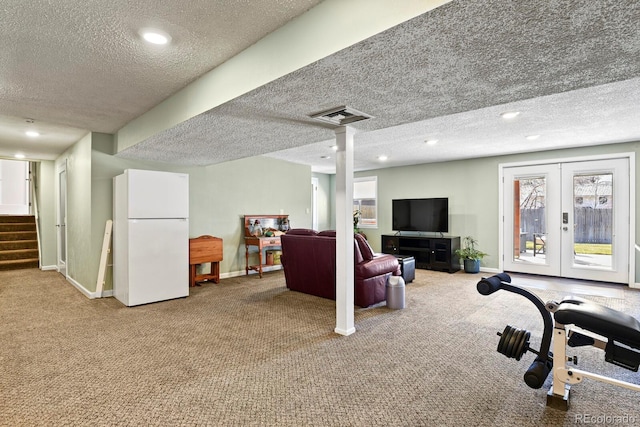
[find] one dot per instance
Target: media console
(432, 253)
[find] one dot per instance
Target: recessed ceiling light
(32, 133)
(431, 141)
(19, 156)
(510, 114)
(155, 36)
(334, 147)
(382, 158)
(325, 157)
(532, 137)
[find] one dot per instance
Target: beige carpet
(249, 352)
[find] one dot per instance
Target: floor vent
(340, 116)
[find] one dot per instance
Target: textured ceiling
(82, 64)
(571, 67)
(578, 118)
(442, 75)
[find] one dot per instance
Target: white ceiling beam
(325, 29)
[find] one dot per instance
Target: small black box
(408, 267)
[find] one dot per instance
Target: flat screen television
(428, 215)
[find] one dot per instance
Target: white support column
(344, 232)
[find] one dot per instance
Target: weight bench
(617, 333)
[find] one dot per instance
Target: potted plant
(356, 220)
(470, 255)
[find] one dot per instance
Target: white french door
(568, 219)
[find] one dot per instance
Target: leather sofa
(309, 262)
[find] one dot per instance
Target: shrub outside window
(365, 200)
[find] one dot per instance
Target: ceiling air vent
(340, 116)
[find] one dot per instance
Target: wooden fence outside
(591, 225)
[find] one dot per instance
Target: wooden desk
(202, 250)
(279, 223)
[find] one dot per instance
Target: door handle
(565, 228)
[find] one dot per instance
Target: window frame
(357, 203)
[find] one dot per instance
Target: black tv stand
(432, 253)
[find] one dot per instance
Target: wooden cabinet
(203, 250)
(433, 253)
(272, 227)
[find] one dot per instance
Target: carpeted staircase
(18, 242)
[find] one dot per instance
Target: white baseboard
(88, 293)
(345, 332)
(242, 272)
(79, 287)
(490, 270)
(49, 268)
(486, 270)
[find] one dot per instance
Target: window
(365, 200)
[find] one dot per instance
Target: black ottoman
(408, 267)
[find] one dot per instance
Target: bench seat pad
(599, 319)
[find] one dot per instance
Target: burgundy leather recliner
(309, 261)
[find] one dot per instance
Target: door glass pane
(529, 220)
(593, 220)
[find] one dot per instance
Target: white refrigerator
(150, 236)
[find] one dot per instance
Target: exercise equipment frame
(515, 342)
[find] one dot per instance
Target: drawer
(270, 241)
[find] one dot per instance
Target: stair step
(17, 218)
(17, 235)
(18, 242)
(18, 254)
(17, 226)
(10, 245)
(18, 264)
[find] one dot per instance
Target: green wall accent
(45, 179)
(324, 199)
(222, 194)
(219, 196)
(79, 260)
(472, 188)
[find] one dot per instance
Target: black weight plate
(504, 340)
(525, 344)
(519, 345)
(503, 337)
(512, 342)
